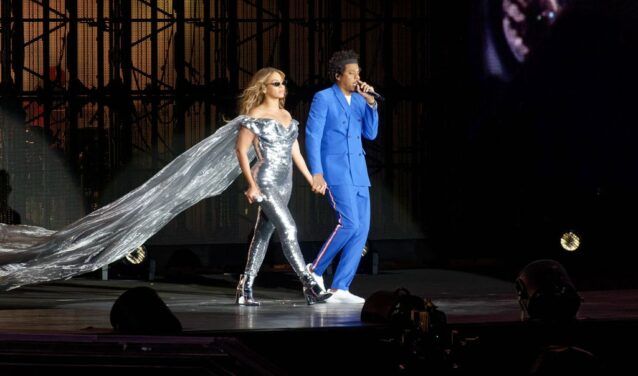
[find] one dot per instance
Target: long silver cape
(30, 254)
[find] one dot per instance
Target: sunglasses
(277, 83)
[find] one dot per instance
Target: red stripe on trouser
(325, 246)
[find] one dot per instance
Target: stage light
(394, 307)
(137, 256)
(570, 241)
(137, 264)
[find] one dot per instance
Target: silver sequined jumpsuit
(273, 174)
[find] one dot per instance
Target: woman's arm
(244, 142)
(300, 162)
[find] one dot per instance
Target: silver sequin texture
(273, 174)
(30, 254)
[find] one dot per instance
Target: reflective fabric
(273, 174)
(31, 254)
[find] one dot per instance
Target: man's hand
(363, 89)
(319, 185)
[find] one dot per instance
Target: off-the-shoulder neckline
(292, 121)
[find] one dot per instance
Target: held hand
(319, 185)
(253, 194)
(363, 89)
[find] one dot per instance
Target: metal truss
(122, 86)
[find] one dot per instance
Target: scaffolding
(115, 89)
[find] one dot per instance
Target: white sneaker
(317, 278)
(344, 297)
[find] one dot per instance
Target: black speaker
(391, 307)
(140, 310)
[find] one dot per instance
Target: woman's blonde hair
(253, 95)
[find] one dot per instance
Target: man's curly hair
(338, 61)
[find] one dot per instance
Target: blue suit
(333, 148)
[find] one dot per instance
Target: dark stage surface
(83, 305)
(66, 325)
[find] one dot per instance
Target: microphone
(376, 96)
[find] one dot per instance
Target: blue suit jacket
(333, 136)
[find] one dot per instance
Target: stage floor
(66, 326)
(83, 305)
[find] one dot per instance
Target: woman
(31, 254)
(273, 132)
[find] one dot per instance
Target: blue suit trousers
(352, 207)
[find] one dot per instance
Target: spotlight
(570, 241)
(137, 256)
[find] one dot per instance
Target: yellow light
(137, 256)
(570, 241)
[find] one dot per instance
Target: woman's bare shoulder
(256, 112)
(286, 115)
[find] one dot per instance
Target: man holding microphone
(340, 116)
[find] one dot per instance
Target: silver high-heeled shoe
(244, 294)
(312, 291)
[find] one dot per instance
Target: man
(339, 117)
